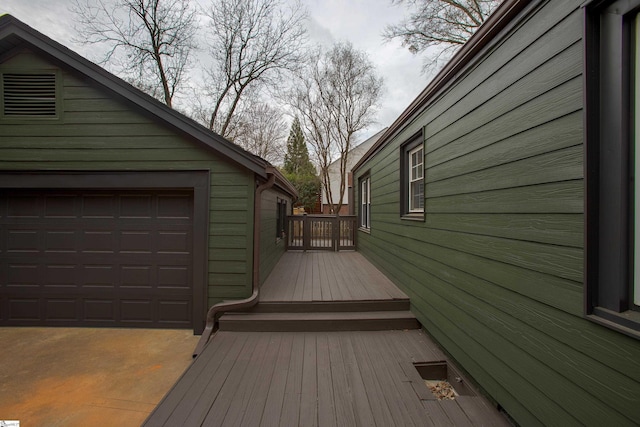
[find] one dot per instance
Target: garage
(116, 210)
(96, 256)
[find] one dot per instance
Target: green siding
(271, 248)
(99, 131)
(495, 271)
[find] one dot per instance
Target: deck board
(455, 413)
(290, 413)
(314, 379)
(296, 293)
(195, 407)
(343, 398)
(344, 281)
(226, 394)
(327, 276)
(361, 404)
(326, 402)
(253, 410)
(275, 398)
(250, 382)
(198, 378)
(309, 393)
(395, 395)
(374, 390)
(437, 414)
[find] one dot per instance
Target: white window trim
(412, 180)
(365, 202)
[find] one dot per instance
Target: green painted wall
(495, 272)
(271, 248)
(98, 131)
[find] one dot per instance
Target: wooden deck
(327, 277)
(325, 291)
(307, 355)
(316, 379)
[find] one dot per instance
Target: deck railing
(321, 232)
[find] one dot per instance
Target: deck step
(318, 321)
(331, 306)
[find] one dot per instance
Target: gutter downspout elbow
(215, 311)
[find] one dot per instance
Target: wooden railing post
(306, 233)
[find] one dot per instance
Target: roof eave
(498, 20)
(282, 183)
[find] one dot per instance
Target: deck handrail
(321, 232)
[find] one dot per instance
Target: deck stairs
(375, 315)
(324, 292)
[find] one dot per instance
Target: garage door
(96, 258)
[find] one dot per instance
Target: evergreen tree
(308, 187)
(296, 160)
(299, 170)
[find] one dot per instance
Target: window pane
(365, 192)
(366, 217)
(416, 196)
(416, 165)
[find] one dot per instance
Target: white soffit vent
(31, 95)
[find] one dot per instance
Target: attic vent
(31, 95)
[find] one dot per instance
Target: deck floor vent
(443, 380)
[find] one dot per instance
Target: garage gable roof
(14, 33)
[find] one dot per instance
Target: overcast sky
(359, 21)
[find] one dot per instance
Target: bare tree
(315, 116)
(252, 42)
(444, 24)
(149, 40)
(337, 98)
(261, 129)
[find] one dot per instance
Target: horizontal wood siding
(495, 271)
(271, 248)
(99, 131)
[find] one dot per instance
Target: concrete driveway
(88, 377)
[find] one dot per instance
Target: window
(31, 95)
(612, 152)
(412, 178)
(365, 202)
(281, 220)
(416, 183)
